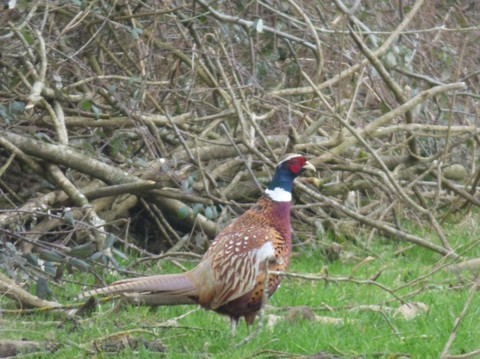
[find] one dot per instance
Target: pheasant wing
(238, 259)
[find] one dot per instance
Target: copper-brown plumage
(231, 277)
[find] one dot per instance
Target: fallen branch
(10, 289)
(472, 265)
(66, 156)
(10, 348)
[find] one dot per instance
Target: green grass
(363, 331)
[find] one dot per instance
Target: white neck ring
(278, 194)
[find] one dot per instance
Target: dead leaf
(411, 310)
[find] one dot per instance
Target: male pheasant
(231, 277)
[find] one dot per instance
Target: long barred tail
(168, 289)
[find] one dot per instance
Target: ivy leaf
(109, 240)
(120, 254)
(211, 212)
(68, 217)
(133, 80)
(17, 107)
(390, 60)
(136, 32)
(86, 105)
(42, 290)
(97, 257)
(50, 256)
(113, 261)
(96, 112)
(83, 250)
(31, 258)
(384, 107)
(183, 212)
(4, 114)
(197, 208)
(79, 264)
(49, 268)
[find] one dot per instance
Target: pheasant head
(280, 188)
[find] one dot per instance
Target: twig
(389, 180)
(81, 201)
(249, 169)
(116, 190)
(389, 81)
(9, 288)
(35, 95)
(458, 320)
(155, 215)
(326, 278)
(346, 73)
(318, 50)
(249, 133)
(472, 354)
(250, 24)
(382, 226)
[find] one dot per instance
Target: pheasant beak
(309, 166)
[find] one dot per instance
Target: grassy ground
(367, 325)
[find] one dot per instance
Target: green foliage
(211, 212)
(12, 111)
(90, 106)
(183, 212)
(27, 36)
(135, 33)
(262, 69)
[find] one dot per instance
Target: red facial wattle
(296, 164)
